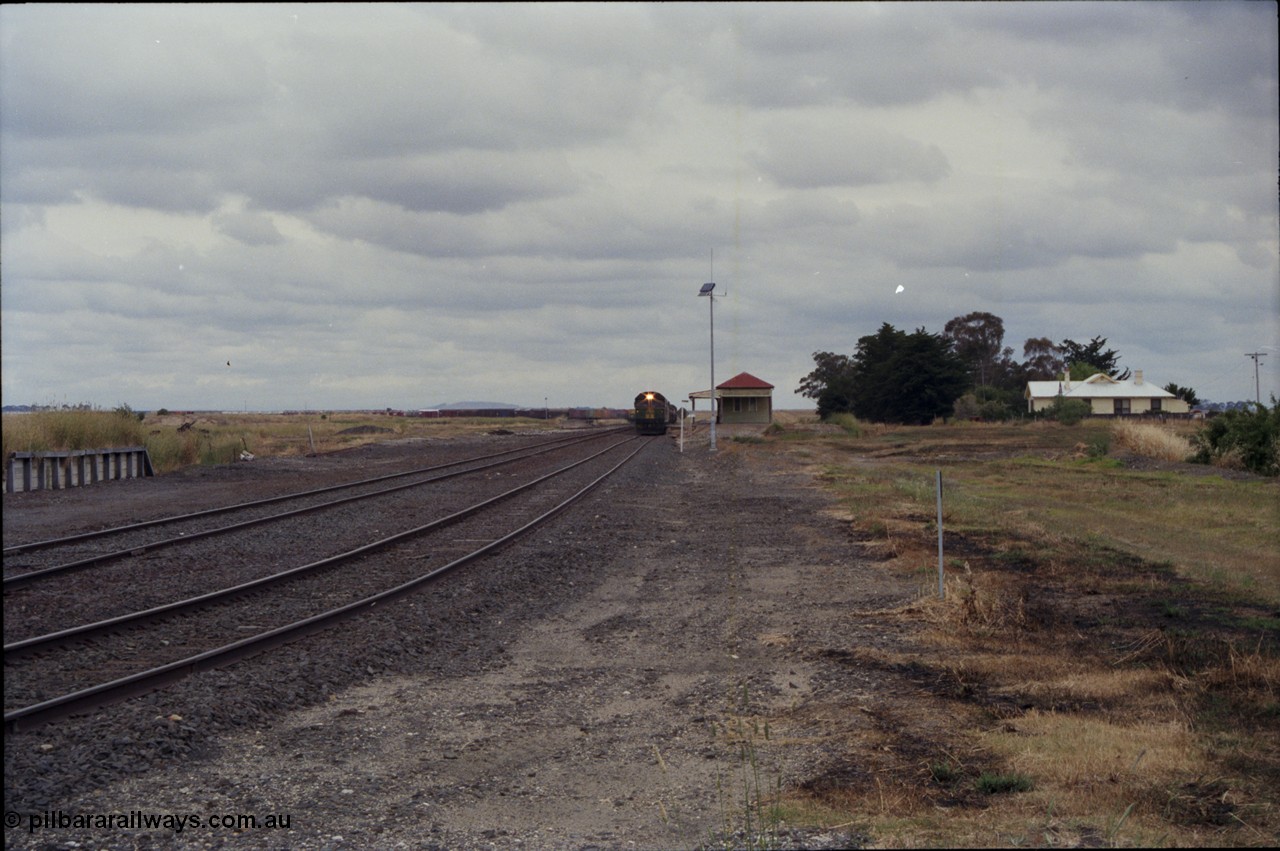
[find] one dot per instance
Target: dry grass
(59, 430)
(1152, 441)
(180, 440)
(1108, 638)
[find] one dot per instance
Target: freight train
(653, 413)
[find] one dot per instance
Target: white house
(1107, 396)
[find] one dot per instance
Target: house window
(1122, 407)
(1155, 406)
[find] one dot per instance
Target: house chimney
(1137, 376)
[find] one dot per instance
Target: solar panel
(707, 288)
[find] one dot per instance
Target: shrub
(945, 772)
(998, 784)
(998, 405)
(967, 407)
(846, 421)
(995, 411)
(1250, 439)
(172, 450)
(1068, 411)
(129, 413)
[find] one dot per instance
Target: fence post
(942, 592)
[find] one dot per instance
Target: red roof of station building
(744, 381)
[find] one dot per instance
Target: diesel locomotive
(653, 413)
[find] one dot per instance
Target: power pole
(1257, 392)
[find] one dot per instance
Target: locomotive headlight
(648, 397)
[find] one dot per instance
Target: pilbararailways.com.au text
(141, 820)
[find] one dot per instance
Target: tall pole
(714, 412)
(1257, 388)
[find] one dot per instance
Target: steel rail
(84, 536)
(21, 580)
(145, 682)
(20, 648)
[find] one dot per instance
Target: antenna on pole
(708, 290)
(1257, 391)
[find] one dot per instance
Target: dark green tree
(1092, 353)
(830, 384)
(1184, 393)
(906, 378)
(978, 339)
(1043, 359)
(1080, 370)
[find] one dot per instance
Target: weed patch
(993, 783)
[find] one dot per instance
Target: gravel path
(611, 698)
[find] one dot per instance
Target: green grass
(992, 783)
(945, 773)
(848, 422)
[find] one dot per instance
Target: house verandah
(1106, 396)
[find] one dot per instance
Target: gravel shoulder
(611, 700)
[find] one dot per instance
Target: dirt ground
(625, 707)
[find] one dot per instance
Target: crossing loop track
(88, 698)
(19, 580)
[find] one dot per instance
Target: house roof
(1097, 386)
(744, 381)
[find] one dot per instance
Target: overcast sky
(360, 206)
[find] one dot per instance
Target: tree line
(965, 370)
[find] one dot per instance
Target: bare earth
(619, 705)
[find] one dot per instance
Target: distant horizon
(12, 409)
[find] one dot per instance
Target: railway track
(136, 539)
(76, 669)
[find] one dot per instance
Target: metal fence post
(942, 592)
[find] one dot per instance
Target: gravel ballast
(586, 687)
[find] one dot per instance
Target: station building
(742, 399)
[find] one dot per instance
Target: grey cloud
(92, 70)
(813, 53)
(337, 110)
(1027, 231)
(399, 204)
(248, 228)
(425, 86)
(800, 211)
(460, 181)
(807, 153)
